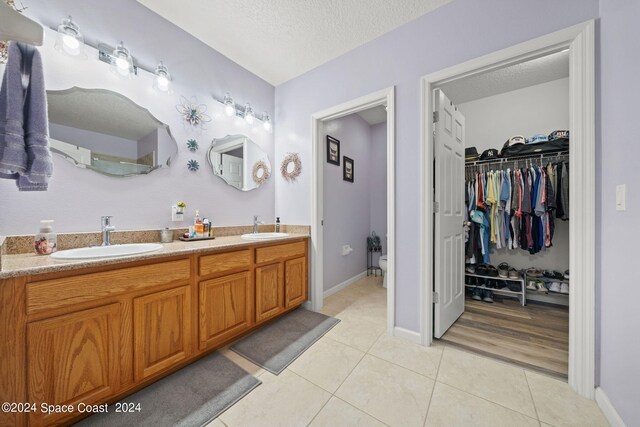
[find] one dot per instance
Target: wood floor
(535, 336)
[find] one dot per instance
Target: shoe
(531, 285)
(514, 274)
(503, 285)
(564, 288)
(487, 296)
(470, 268)
(492, 271)
(540, 287)
(554, 287)
(476, 294)
(548, 274)
(557, 275)
(514, 287)
(534, 272)
(481, 269)
(566, 275)
(503, 270)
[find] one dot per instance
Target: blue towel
(13, 156)
(24, 153)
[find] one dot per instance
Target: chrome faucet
(107, 228)
(256, 223)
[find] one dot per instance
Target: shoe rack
(522, 295)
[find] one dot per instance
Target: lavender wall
(456, 32)
(346, 204)
(619, 233)
(378, 185)
(78, 197)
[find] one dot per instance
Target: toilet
(383, 267)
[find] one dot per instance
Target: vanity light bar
(241, 111)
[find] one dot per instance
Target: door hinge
(436, 207)
(436, 116)
(322, 222)
(435, 297)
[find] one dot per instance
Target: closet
(513, 126)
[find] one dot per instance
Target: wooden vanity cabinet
(73, 358)
(97, 334)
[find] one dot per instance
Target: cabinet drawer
(219, 263)
(273, 253)
(66, 291)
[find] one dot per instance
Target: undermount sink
(110, 251)
(264, 236)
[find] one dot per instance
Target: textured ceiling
(536, 71)
(281, 39)
(101, 112)
(374, 116)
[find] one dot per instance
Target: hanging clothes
(514, 208)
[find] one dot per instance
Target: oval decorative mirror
(104, 131)
(239, 162)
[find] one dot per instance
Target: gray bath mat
(193, 396)
(279, 343)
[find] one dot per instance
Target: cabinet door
(269, 291)
(162, 330)
(225, 308)
(73, 358)
(295, 283)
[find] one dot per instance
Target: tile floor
(356, 375)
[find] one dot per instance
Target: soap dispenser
(277, 224)
(46, 241)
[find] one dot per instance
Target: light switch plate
(621, 197)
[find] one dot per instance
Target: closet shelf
(558, 155)
(522, 295)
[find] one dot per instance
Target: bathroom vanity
(93, 332)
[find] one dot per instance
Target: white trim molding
(341, 286)
(608, 410)
(580, 41)
(408, 335)
(383, 97)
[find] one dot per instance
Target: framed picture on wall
(347, 169)
(333, 151)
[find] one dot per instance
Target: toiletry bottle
(46, 241)
(197, 224)
(277, 224)
(205, 227)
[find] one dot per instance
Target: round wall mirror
(239, 162)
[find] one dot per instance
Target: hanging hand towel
(13, 156)
(36, 131)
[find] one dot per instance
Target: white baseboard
(608, 410)
(407, 335)
(341, 286)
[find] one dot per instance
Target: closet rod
(551, 156)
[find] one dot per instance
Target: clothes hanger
(17, 27)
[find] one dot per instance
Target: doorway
(579, 40)
(384, 99)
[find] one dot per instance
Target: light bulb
(69, 39)
(163, 83)
(229, 105)
(122, 64)
(248, 113)
(70, 42)
(266, 121)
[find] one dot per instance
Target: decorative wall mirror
(104, 131)
(239, 161)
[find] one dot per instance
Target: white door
(232, 170)
(449, 217)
